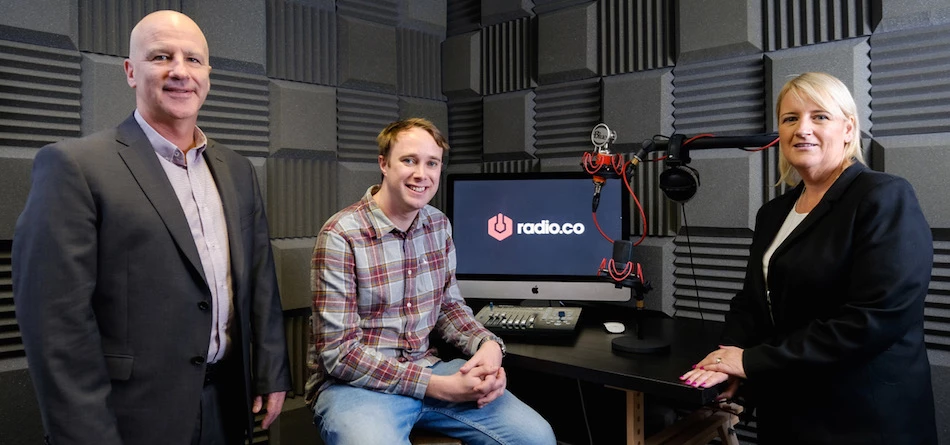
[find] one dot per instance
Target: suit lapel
(143, 163)
(227, 190)
(824, 206)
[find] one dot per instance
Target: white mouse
(614, 327)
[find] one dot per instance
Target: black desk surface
(589, 357)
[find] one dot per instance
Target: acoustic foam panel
(107, 98)
(301, 195)
(301, 42)
(41, 88)
(292, 259)
(236, 111)
(367, 55)
(302, 117)
(463, 54)
(465, 130)
(729, 192)
(509, 126)
(565, 114)
(922, 159)
(712, 30)
(361, 115)
(15, 168)
(910, 88)
(498, 11)
(233, 28)
(567, 45)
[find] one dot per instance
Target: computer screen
(531, 236)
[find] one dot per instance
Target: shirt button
(409, 304)
(204, 305)
(409, 272)
(197, 360)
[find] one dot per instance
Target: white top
(791, 222)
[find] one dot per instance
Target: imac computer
(532, 236)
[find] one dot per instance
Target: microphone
(599, 182)
(601, 163)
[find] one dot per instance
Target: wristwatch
(496, 339)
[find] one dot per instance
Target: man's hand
(486, 365)
(275, 402)
(456, 388)
(494, 384)
(481, 379)
(489, 354)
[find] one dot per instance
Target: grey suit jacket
(111, 297)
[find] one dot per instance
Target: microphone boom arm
(677, 150)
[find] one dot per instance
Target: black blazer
(839, 357)
(111, 297)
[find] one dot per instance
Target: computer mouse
(614, 327)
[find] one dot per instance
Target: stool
(420, 436)
(700, 427)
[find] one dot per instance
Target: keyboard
(530, 322)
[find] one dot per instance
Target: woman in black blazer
(826, 338)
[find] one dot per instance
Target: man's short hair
(388, 136)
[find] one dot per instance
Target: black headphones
(679, 183)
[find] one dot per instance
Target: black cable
(692, 266)
(580, 392)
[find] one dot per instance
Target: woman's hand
(716, 368)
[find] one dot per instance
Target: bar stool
(701, 427)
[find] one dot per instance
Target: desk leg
(635, 435)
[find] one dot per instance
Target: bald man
(143, 275)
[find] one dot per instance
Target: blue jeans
(347, 415)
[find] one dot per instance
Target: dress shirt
(378, 293)
(194, 185)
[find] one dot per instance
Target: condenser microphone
(601, 163)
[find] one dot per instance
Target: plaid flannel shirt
(378, 293)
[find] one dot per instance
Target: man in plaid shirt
(383, 278)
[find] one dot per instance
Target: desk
(589, 357)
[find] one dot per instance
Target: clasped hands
(481, 379)
(718, 366)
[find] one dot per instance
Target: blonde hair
(831, 95)
(388, 136)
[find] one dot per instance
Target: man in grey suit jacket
(143, 275)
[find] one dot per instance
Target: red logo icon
(499, 227)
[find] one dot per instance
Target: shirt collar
(167, 150)
(382, 224)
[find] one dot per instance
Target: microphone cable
(692, 266)
(580, 392)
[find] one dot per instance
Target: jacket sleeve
(269, 353)
(891, 259)
(54, 278)
(744, 321)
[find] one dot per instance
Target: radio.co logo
(501, 227)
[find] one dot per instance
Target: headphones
(679, 183)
